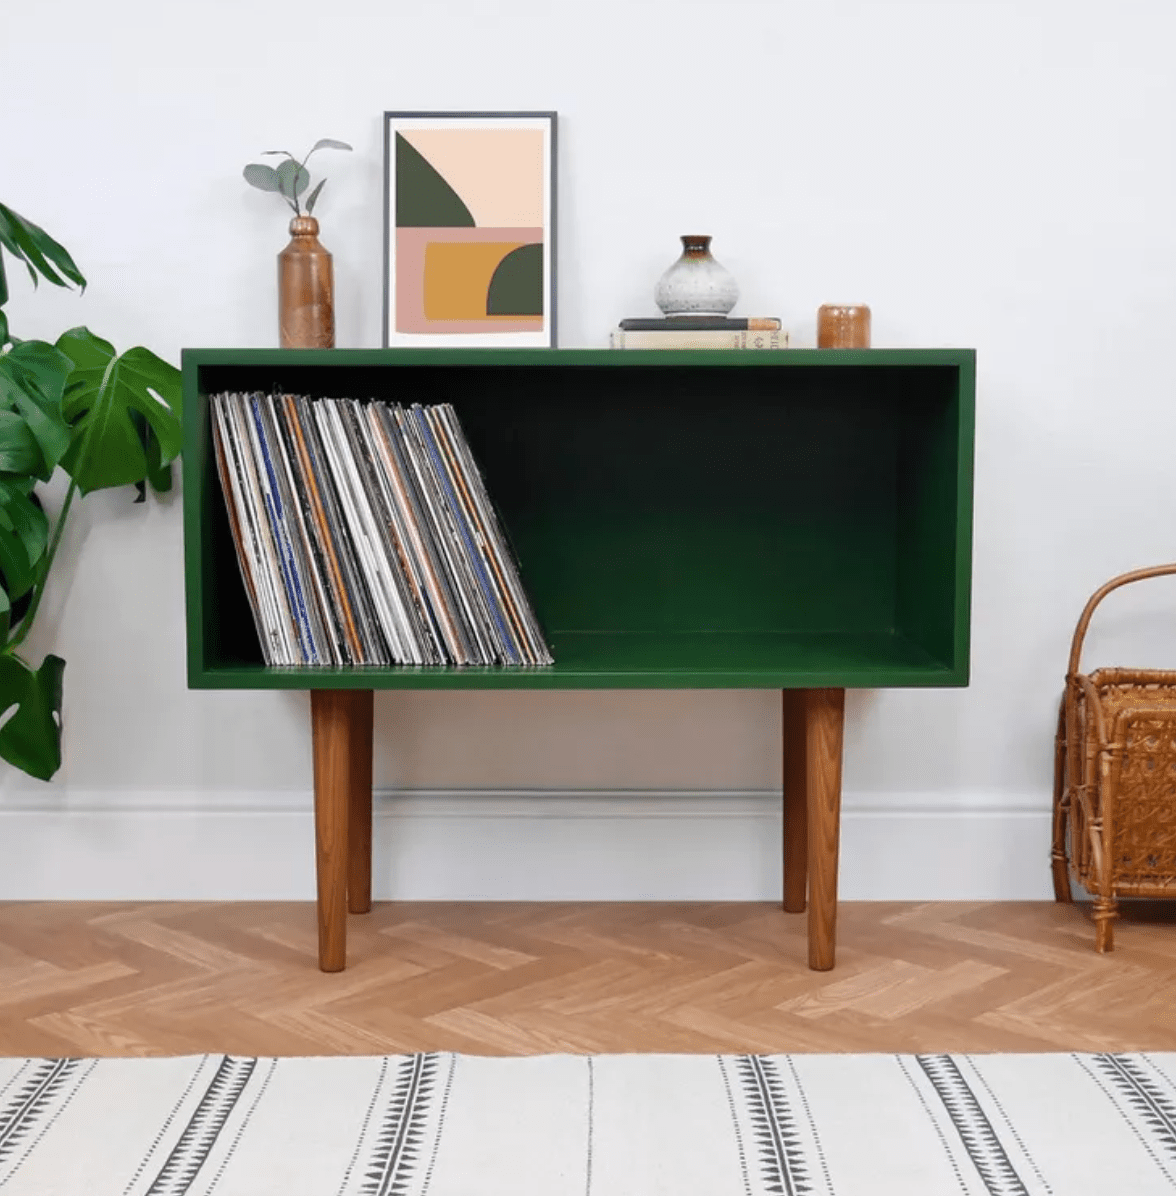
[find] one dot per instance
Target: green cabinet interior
(710, 519)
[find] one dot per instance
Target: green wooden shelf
(709, 519)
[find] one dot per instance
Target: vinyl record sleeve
(394, 550)
(382, 584)
(284, 633)
(283, 535)
(467, 544)
(419, 517)
(345, 634)
(376, 649)
(309, 584)
(465, 587)
(243, 537)
(503, 557)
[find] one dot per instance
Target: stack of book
(365, 536)
(699, 332)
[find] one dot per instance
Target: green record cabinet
(795, 520)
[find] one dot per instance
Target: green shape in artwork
(516, 289)
(423, 198)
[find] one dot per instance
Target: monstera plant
(104, 419)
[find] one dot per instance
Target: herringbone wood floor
(528, 978)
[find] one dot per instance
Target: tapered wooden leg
(824, 733)
(331, 713)
(359, 822)
(795, 802)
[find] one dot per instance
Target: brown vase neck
(696, 246)
(304, 226)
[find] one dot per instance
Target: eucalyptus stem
(300, 165)
(25, 625)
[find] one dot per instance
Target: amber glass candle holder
(843, 327)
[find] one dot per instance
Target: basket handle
(1098, 595)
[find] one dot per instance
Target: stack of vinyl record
(365, 536)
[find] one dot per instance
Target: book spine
(703, 324)
(712, 339)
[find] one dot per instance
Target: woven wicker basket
(1114, 826)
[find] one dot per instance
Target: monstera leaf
(24, 535)
(30, 714)
(41, 254)
(159, 472)
(32, 383)
(104, 394)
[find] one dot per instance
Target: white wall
(989, 174)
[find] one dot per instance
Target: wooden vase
(306, 289)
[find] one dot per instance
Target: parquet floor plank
(520, 978)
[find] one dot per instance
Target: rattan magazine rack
(1114, 823)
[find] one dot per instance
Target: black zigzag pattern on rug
(195, 1144)
(1145, 1095)
(397, 1149)
(35, 1100)
(984, 1147)
(722, 1062)
(784, 1167)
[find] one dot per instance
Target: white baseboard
(528, 846)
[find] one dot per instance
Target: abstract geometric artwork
(469, 229)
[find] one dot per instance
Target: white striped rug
(608, 1125)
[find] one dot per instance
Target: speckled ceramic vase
(696, 284)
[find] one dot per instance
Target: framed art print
(469, 229)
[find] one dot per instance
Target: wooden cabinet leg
(331, 713)
(359, 823)
(824, 734)
(795, 801)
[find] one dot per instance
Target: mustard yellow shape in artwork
(457, 278)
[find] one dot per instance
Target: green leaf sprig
(290, 178)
